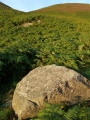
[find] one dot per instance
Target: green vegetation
(6, 114)
(58, 112)
(57, 35)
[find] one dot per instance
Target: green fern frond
(72, 114)
(85, 113)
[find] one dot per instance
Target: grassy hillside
(58, 34)
(69, 10)
(4, 7)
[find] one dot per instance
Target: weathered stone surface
(51, 83)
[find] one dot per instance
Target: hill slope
(58, 34)
(68, 10)
(4, 7)
(68, 7)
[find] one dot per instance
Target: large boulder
(52, 84)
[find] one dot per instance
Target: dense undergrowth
(60, 38)
(62, 112)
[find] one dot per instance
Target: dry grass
(74, 7)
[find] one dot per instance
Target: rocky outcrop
(52, 84)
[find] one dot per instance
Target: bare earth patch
(27, 24)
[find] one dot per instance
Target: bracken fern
(56, 112)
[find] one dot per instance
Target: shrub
(59, 112)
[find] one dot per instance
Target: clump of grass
(4, 113)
